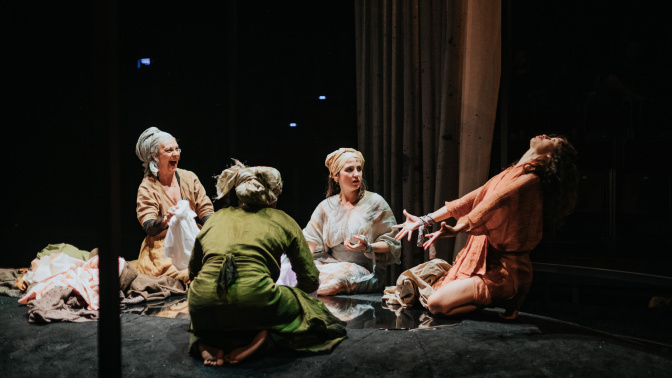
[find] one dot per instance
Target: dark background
(562, 65)
(226, 80)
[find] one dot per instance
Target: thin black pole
(107, 121)
(232, 33)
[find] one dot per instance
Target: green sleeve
(307, 275)
(196, 260)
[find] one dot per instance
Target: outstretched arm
(445, 231)
(414, 222)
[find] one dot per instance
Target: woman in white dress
(350, 233)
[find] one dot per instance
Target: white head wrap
(147, 149)
(336, 160)
(259, 186)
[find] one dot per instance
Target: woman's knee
(437, 305)
(451, 296)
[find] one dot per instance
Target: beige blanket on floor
(415, 284)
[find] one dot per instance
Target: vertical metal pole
(233, 75)
(107, 121)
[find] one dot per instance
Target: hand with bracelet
(422, 224)
(361, 245)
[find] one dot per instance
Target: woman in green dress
(234, 303)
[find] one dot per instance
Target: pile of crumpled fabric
(62, 285)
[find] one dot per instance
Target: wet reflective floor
(370, 312)
(358, 311)
(171, 307)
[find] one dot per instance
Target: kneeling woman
(351, 231)
(234, 303)
(504, 220)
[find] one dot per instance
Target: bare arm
(414, 222)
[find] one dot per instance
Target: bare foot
(243, 352)
(211, 356)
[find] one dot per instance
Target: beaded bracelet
(423, 230)
(427, 220)
(369, 248)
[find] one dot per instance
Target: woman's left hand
(445, 231)
(169, 214)
(359, 246)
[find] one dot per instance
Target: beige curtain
(427, 84)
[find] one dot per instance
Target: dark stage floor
(380, 342)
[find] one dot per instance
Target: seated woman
(504, 219)
(163, 186)
(351, 231)
(234, 303)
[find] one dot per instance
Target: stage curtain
(427, 85)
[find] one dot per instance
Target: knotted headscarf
(147, 149)
(336, 160)
(259, 186)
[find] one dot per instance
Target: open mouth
(173, 163)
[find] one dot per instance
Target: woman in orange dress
(504, 219)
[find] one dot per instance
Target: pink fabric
(59, 269)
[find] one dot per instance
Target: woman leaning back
(504, 220)
(351, 231)
(234, 303)
(162, 187)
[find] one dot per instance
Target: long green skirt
(230, 318)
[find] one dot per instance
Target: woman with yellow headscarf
(350, 232)
(234, 303)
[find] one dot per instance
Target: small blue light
(144, 62)
(292, 124)
(322, 97)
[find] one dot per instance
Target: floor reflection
(357, 311)
(171, 307)
(365, 313)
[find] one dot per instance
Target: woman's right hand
(412, 223)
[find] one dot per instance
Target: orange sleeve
(495, 207)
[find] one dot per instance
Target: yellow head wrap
(336, 160)
(259, 186)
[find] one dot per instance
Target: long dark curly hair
(559, 183)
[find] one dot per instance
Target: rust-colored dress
(504, 219)
(153, 202)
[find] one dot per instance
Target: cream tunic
(332, 223)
